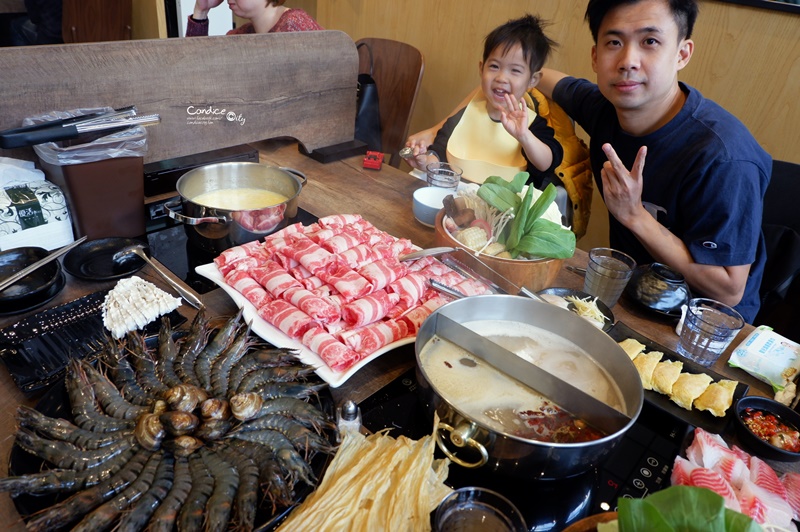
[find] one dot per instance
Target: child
(499, 131)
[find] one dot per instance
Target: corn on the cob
(472, 237)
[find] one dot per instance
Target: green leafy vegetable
(547, 239)
(499, 197)
(527, 233)
(518, 223)
(682, 508)
(547, 197)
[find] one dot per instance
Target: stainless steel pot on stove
(216, 229)
(471, 443)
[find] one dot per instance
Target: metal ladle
(138, 249)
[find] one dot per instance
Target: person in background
(682, 178)
(41, 25)
(499, 132)
(266, 16)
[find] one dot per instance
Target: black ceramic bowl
(35, 287)
(753, 443)
(659, 288)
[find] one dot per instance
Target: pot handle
(188, 220)
(461, 437)
(298, 173)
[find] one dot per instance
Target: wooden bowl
(534, 275)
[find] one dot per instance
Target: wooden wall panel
(149, 19)
(746, 59)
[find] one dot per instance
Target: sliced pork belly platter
(338, 286)
(747, 483)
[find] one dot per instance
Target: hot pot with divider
(231, 203)
(469, 403)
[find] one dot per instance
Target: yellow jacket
(575, 170)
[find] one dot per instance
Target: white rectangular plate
(276, 337)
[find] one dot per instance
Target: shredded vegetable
(587, 308)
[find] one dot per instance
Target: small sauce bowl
(754, 443)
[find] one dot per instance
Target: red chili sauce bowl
(758, 419)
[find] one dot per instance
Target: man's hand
(622, 193)
(622, 189)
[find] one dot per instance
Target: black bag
(368, 113)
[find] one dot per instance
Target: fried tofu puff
(665, 375)
(717, 398)
(689, 387)
(645, 364)
(632, 347)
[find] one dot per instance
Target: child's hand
(514, 117)
(419, 157)
(422, 138)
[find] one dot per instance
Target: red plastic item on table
(373, 160)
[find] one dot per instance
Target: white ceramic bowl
(428, 201)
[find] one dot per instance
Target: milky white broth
(239, 199)
(489, 396)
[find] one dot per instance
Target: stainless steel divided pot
(215, 229)
(471, 443)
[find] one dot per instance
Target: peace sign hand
(622, 189)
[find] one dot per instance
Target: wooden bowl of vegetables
(534, 275)
(511, 228)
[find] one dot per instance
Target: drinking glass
(708, 328)
(443, 175)
(473, 509)
(607, 274)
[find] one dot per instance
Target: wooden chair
(397, 69)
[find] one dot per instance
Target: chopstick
(39, 263)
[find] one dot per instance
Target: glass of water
(607, 274)
(708, 328)
(473, 509)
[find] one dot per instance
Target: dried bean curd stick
(375, 482)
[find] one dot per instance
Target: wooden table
(384, 198)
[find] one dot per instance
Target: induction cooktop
(640, 464)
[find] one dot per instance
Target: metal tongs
(70, 128)
(489, 277)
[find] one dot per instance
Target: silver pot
(471, 443)
(215, 229)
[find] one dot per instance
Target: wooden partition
(210, 92)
